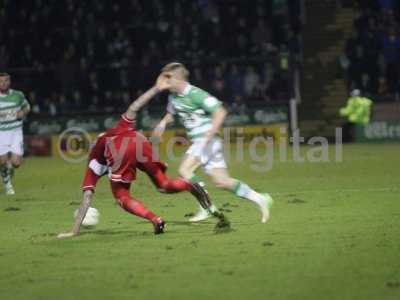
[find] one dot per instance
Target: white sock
(242, 190)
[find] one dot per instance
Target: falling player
(119, 151)
(13, 109)
(203, 115)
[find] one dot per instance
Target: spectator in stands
(374, 49)
(383, 93)
(386, 4)
(261, 34)
(391, 50)
(251, 80)
(34, 104)
(344, 64)
(68, 39)
(235, 81)
(218, 83)
(238, 106)
(397, 91)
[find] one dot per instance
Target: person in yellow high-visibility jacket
(358, 109)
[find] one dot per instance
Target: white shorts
(210, 155)
(12, 141)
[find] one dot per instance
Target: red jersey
(119, 151)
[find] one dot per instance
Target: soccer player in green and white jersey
(203, 115)
(13, 108)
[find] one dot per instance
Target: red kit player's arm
(85, 204)
(90, 180)
(97, 165)
(140, 102)
(92, 175)
(161, 85)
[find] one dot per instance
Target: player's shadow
(187, 223)
(107, 232)
(200, 228)
(118, 232)
(189, 228)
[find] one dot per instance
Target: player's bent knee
(160, 180)
(162, 186)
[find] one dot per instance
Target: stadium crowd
(371, 58)
(94, 55)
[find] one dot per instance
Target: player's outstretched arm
(140, 102)
(85, 204)
(162, 84)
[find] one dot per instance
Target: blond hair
(176, 67)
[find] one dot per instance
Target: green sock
(195, 178)
(236, 188)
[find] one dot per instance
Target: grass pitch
(334, 234)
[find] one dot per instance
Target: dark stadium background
(94, 57)
(278, 66)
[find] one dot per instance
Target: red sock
(167, 185)
(137, 208)
(133, 206)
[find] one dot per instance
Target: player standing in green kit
(13, 108)
(202, 115)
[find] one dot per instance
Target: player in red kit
(119, 152)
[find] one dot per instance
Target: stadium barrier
(379, 131)
(72, 135)
(75, 146)
(384, 127)
(37, 145)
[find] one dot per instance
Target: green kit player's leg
(202, 213)
(6, 171)
(222, 179)
(216, 168)
(264, 201)
(187, 170)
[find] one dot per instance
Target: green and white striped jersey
(10, 104)
(194, 108)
